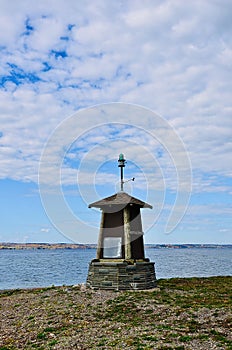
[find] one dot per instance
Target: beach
(181, 313)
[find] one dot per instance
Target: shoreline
(83, 285)
(25, 246)
(181, 313)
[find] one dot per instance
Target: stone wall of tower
(121, 275)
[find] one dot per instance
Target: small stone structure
(120, 263)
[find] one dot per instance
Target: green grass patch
(196, 292)
(185, 338)
(41, 335)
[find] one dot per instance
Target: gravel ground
(192, 313)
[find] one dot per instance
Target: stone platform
(121, 275)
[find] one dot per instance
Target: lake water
(40, 268)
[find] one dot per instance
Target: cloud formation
(170, 56)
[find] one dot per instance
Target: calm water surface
(40, 268)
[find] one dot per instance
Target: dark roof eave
(119, 199)
(110, 205)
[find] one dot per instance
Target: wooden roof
(118, 199)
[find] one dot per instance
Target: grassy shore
(183, 313)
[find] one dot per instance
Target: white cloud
(44, 229)
(170, 56)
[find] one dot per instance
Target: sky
(83, 81)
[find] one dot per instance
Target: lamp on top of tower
(121, 165)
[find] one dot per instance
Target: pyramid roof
(119, 199)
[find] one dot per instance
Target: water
(40, 268)
(191, 262)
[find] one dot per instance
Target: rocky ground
(192, 313)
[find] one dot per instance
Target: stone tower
(120, 262)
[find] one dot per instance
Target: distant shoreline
(20, 246)
(23, 246)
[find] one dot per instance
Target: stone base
(122, 275)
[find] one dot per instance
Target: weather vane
(121, 165)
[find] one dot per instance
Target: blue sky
(170, 58)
